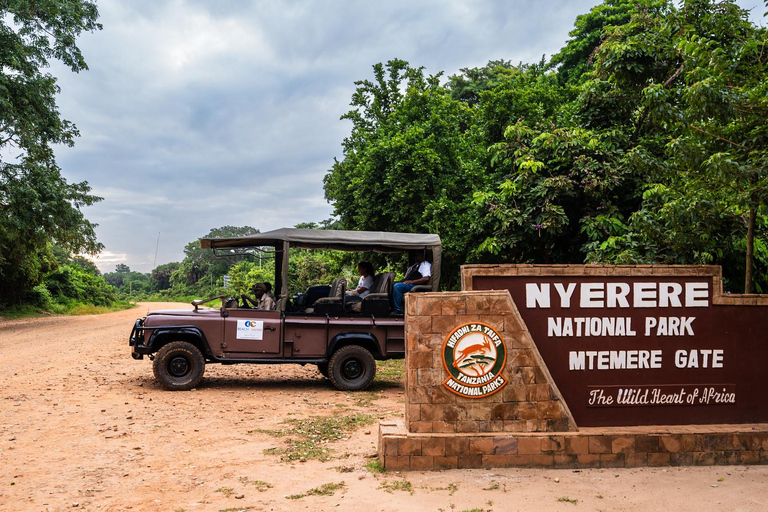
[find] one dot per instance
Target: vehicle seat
(377, 301)
(334, 303)
(426, 287)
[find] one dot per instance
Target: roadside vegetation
(644, 140)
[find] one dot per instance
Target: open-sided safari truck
(304, 329)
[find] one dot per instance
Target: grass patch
(226, 491)
(73, 308)
(390, 371)
(235, 509)
(566, 499)
(397, 485)
(494, 485)
(308, 438)
(323, 490)
(260, 485)
(375, 466)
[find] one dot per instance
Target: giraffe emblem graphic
(474, 356)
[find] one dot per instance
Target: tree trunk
(750, 249)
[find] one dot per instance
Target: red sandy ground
(85, 427)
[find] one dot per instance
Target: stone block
(515, 390)
(388, 447)
(468, 426)
(422, 463)
(428, 306)
(431, 412)
(419, 325)
(408, 446)
(549, 409)
(397, 463)
(456, 446)
(588, 460)
(563, 461)
(611, 460)
(526, 411)
(635, 460)
(528, 445)
(748, 457)
(537, 393)
(504, 411)
(479, 411)
(577, 445)
(600, 444)
(470, 461)
(412, 413)
(497, 461)
(480, 445)
(447, 462)
(659, 459)
(454, 413)
(453, 305)
(681, 459)
(478, 304)
(670, 443)
(443, 427)
(420, 426)
(505, 445)
(646, 443)
(420, 359)
(433, 446)
(553, 444)
(623, 444)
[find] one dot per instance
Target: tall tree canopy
(642, 141)
(39, 207)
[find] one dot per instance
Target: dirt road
(85, 427)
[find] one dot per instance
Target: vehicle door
(251, 333)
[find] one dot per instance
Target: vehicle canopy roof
(358, 241)
(362, 241)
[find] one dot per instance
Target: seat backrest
(338, 287)
(380, 283)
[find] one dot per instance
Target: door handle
(270, 328)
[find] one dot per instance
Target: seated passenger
(365, 269)
(263, 300)
(418, 273)
(269, 293)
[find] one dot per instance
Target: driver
(263, 300)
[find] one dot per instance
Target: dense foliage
(642, 141)
(39, 208)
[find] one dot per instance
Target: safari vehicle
(303, 329)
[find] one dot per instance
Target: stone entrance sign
(582, 366)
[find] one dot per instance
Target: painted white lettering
(616, 294)
(554, 327)
(565, 294)
(535, 295)
(669, 295)
(696, 295)
(644, 295)
(592, 295)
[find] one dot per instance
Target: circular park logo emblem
(474, 355)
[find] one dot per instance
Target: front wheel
(352, 368)
(179, 366)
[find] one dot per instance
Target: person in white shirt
(365, 269)
(418, 273)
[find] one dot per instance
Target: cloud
(198, 114)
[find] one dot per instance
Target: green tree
(409, 161)
(38, 206)
(698, 82)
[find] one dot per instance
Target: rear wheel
(352, 368)
(179, 366)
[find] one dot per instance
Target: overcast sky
(198, 114)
